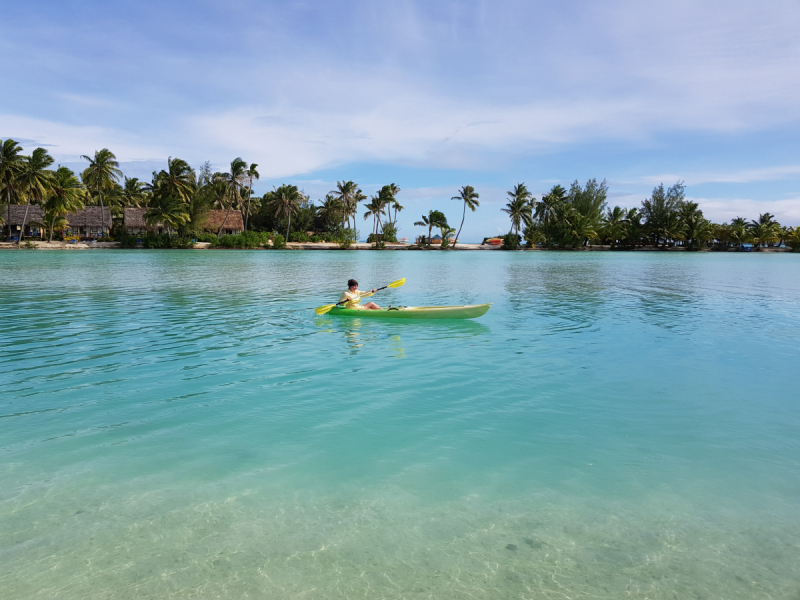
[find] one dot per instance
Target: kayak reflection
(401, 336)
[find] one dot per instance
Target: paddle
(323, 309)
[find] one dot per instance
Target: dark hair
(351, 283)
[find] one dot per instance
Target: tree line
(580, 215)
(179, 197)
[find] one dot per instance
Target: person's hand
(373, 291)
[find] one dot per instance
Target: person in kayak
(353, 297)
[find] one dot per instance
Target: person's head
(352, 283)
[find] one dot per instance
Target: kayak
(415, 312)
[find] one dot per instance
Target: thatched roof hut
(133, 220)
(91, 216)
(215, 218)
(13, 214)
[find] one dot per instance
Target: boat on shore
(471, 311)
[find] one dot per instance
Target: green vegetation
(469, 197)
(178, 200)
(434, 218)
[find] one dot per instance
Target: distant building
(89, 223)
(133, 222)
(14, 213)
(215, 218)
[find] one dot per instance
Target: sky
(431, 96)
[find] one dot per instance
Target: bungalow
(215, 218)
(13, 215)
(87, 223)
(91, 222)
(133, 222)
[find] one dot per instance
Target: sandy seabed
(215, 543)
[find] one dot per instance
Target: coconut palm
(180, 179)
(394, 189)
(232, 184)
(793, 239)
(548, 208)
(671, 228)
(101, 174)
(169, 211)
(66, 195)
(469, 197)
(345, 192)
(434, 218)
(375, 209)
(133, 192)
(614, 223)
(330, 210)
(582, 227)
(252, 174)
(518, 208)
(764, 232)
(11, 161)
(35, 180)
(285, 202)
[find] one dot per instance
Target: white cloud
(721, 210)
(778, 173)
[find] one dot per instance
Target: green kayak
(415, 312)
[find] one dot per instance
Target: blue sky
(428, 95)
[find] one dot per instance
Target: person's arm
(365, 294)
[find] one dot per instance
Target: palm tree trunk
(247, 216)
(52, 223)
(430, 230)
(289, 227)
(102, 220)
(463, 216)
(24, 218)
(225, 220)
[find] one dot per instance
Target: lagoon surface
(180, 424)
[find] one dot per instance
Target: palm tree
(375, 209)
(434, 218)
(764, 232)
(469, 197)
(133, 192)
(101, 174)
(345, 191)
(582, 227)
(11, 161)
(180, 179)
(330, 210)
(232, 183)
(252, 173)
(390, 191)
(547, 209)
(614, 225)
(519, 211)
(285, 203)
(518, 208)
(66, 196)
(671, 228)
(170, 211)
(35, 180)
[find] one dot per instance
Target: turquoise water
(181, 425)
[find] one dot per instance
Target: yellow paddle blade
(398, 283)
(323, 309)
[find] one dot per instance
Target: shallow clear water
(181, 424)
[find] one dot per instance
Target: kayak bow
(415, 312)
